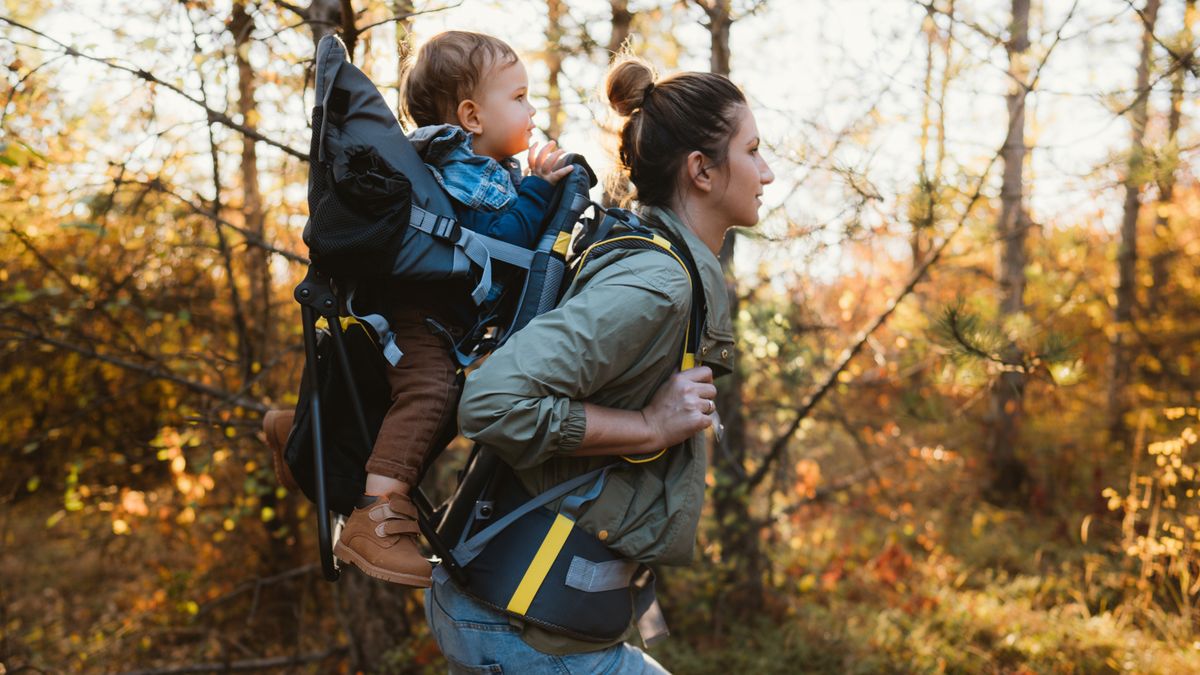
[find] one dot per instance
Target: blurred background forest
(961, 437)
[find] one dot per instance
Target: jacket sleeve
(526, 401)
(519, 224)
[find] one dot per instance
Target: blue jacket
(485, 197)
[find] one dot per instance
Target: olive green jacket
(615, 338)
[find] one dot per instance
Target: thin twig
(918, 275)
(155, 373)
(214, 115)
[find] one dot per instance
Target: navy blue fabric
(519, 224)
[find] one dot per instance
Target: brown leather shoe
(277, 425)
(380, 538)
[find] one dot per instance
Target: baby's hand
(546, 163)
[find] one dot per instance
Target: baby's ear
(468, 117)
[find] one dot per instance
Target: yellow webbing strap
(322, 324)
(536, 573)
(689, 359)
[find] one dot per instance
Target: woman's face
(738, 182)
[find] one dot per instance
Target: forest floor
(993, 591)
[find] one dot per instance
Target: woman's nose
(766, 175)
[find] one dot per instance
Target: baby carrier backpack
(378, 215)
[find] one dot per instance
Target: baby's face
(504, 111)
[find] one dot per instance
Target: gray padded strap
(387, 336)
(506, 252)
(651, 623)
(467, 550)
(470, 244)
(593, 577)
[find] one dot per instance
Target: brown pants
(425, 389)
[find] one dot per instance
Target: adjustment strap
(397, 526)
(467, 550)
(597, 577)
(383, 330)
(441, 227)
(506, 252)
(651, 623)
(477, 253)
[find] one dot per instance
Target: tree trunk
(324, 17)
(1007, 474)
(1161, 260)
(1119, 368)
(618, 187)
(377, 617)
(402, 10)
(922, 216)
(241, 25)
(740, 590)
(622, 22)
(555, 10)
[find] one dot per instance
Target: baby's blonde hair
(448, 69)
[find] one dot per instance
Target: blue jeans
(475, 638)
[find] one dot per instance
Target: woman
(595, 378)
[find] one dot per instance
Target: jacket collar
(715, 298)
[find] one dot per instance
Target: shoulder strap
(656, 241)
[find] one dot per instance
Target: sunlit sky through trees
(837, 88)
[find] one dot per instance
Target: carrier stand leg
(315, 297)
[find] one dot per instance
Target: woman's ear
(696, 166)
(468, 117)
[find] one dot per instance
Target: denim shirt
(477, 182)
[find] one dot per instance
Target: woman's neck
(703, 222)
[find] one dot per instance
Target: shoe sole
(411, 580)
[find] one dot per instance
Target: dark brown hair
(667, 120)
(448, 69)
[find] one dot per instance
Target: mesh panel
(554, 276)
(342, 237)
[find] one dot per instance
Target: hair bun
(628, 81)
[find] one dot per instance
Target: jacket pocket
(605, 516)
(717, 350)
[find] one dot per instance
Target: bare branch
(213, 115)
(409, 15)
(251, 238)
(918, 275)
(154, 373)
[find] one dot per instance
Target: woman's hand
(682, 407)
(545, 163)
